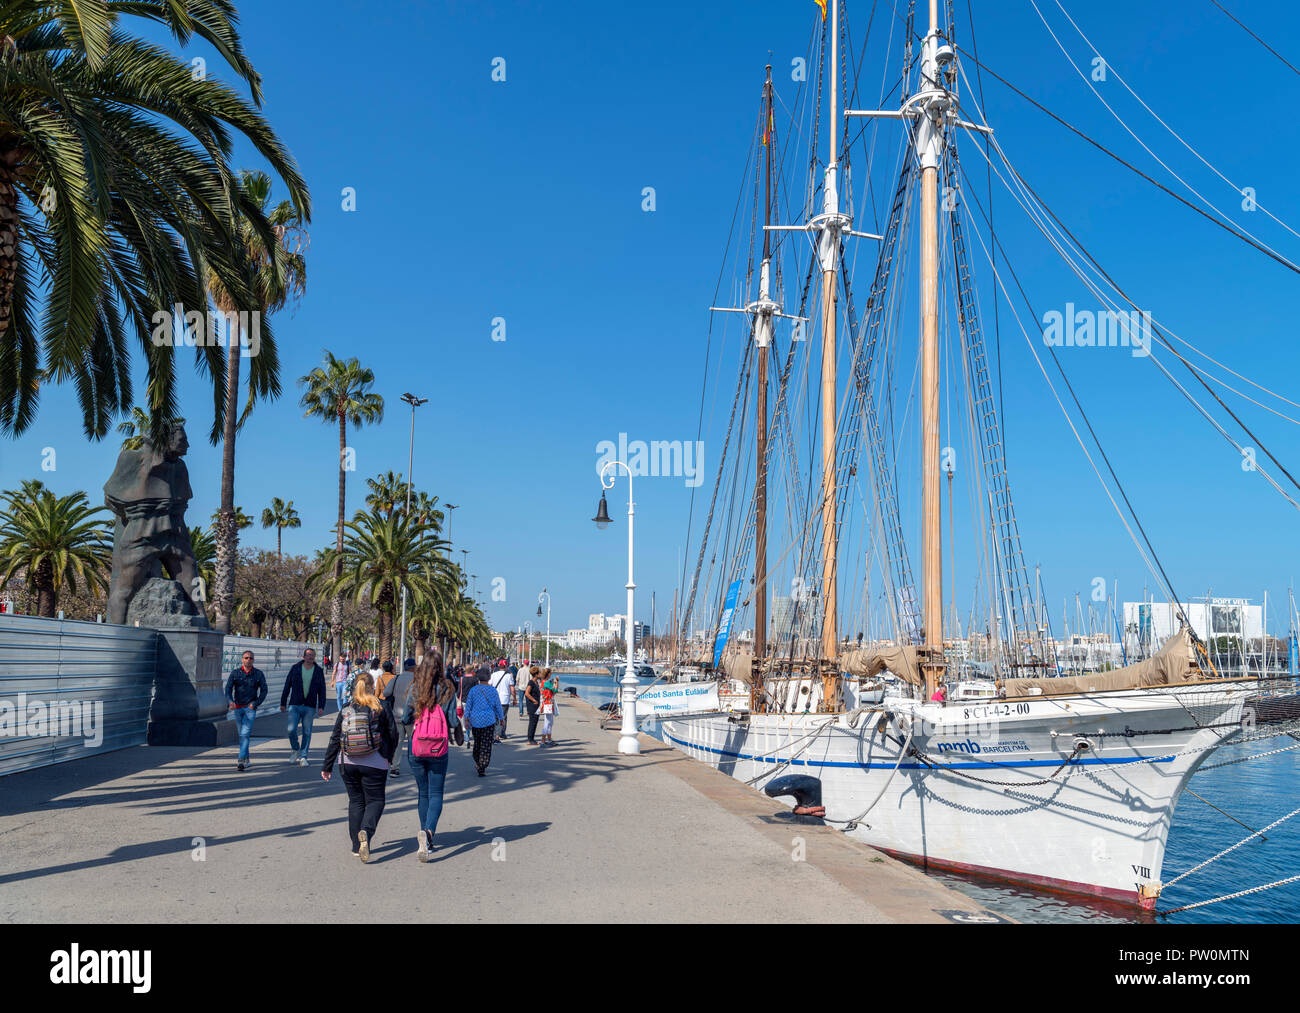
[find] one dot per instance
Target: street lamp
(464, 567)
(547, 595)
(529, 625)
(415, 403)
(627, 740)
(451, 513)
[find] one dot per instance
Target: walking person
(363, 741)
(531, 697)
(391, 688)
(483, 714)
(504, 684)
(430, 706)
(245, 691)
(466, 680)
(522, 675)
(549, 686)
(341, 672)
(304, 693)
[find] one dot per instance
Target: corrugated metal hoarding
(70, 689)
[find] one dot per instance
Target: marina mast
(763, 338)
(830, 223)
(933, 100)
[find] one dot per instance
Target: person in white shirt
(501, 681)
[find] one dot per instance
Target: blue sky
(522, 200)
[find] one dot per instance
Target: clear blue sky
(522, 200)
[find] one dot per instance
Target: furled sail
(1174, 665)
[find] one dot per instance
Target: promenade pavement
(571, 833)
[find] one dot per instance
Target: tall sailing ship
(1068, 783)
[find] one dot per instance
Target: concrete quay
(571, 833)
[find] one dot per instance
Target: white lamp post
(415, 403)
(547, 595)
(528, 624)
(628, 743)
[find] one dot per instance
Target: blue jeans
(244, 722)
(339, 687)
(300, 714)
(430, 775)
(522, 701)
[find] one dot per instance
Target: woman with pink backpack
(429, 706)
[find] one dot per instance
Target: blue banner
(724, 630)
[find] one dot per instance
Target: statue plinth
(189, 700)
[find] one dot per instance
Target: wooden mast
(932, 547)
(829, 250)
(763, 337)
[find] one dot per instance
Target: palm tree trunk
(8, 241)
(43, 582)
(336, 606)
(223, 600)
(278, 554)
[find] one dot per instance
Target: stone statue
(148, 493)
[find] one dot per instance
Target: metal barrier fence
(70, 689)
(273, 657)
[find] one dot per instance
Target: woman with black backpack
(364, 740)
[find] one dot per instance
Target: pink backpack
(429, 739)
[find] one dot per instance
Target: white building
(1147, 625)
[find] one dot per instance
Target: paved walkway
(570, 833)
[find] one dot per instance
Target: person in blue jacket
(304, 695)
(483, 713)
(245, 691)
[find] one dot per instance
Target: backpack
(360, 731)
(429, 738)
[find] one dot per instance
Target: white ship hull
(988, 792)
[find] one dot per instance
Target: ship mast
(830, 223)
(929, 146)
(763, 338)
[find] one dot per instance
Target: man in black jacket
(245, 691)
(304, 695)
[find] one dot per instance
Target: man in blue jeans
(245, 691)
(304, 695)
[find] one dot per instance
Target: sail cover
(869, 662)
(1173, 665)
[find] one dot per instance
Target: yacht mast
(830, 223)
(763, 338)
(929, 144)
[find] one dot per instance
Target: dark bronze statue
(148, 493)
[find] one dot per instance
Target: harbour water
(1257, 792)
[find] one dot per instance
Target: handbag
(548, 708)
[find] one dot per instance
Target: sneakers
(394, 772)
(363, 846)
(239, 764)
(423, 843)
(303, 762)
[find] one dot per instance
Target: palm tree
(242, 521)
(387, 493)
(116, 194)
(280, 515)
(139, 426)
(204, 547)
(380, 555)
(276, 271)
(339, 391)
(57, 543)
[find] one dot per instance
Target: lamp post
(627, 740)
(547, 595)
(415, 403)
(529, 624)
(451, 513)
(464, 568)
